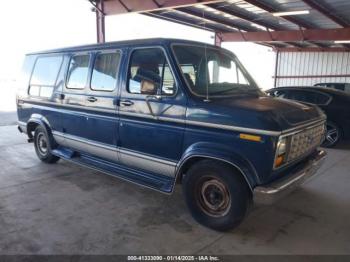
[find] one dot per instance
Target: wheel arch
(196, 158)
(36, 120)
(234, 160)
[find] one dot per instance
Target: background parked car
(335, 104)
(339, 86)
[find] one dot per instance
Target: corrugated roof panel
(249, 7)
(211, 15)
(258, 14)
(320, 21)
(257, 17)
(225, 16)
(340, 8)
(314, 18)
(191, 20)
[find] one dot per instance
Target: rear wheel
(43, 146)
(217, 196)
(333, 135)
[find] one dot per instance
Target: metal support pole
(218, 39)
(100, 21)
(276, 68)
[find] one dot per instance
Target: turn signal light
(250, 137)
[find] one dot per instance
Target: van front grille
(305, 141)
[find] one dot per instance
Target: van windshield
(212, 72)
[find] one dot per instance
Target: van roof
(148, 41)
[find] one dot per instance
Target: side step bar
(157, 182)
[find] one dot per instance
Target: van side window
(104, 74)
(149, 73)
(44, 76)
(168, 87)
(225, 74)
(78, 71)
(189, 74)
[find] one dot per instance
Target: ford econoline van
(159, 112)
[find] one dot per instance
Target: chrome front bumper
(267, 194)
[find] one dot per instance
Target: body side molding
(163, 119)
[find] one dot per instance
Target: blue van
(158, 112)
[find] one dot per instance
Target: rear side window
(337, 86)
(150, 74)
(104, 74)
(78, 71)
(44, 75)
(298, 95)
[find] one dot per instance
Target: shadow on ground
(66, 209)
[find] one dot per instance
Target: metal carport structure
(323, 29)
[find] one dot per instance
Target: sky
(28, 26)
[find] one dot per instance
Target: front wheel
(43, 146)
(218, 197)
(333, 135)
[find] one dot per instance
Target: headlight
(281, 150)
(282, 146)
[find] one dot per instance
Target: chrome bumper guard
(268, 194)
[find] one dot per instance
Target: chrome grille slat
(305, 140)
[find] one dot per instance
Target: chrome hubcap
(213, 197)
(42, 144)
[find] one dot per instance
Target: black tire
(217, 196)
(43, 146)
(333, 135)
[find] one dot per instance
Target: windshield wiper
(223, 91)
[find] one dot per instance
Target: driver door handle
(126, 103)
(92, 99)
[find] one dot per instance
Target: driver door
(152, 113)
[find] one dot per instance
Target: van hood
(255, 112)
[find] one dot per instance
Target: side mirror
(154, 97)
